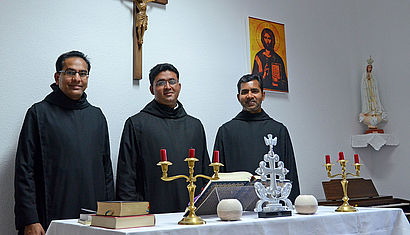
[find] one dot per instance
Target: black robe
(241, 145)
(63, 160)
(138, 176)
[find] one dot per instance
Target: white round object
(229, 209)
(306, 204)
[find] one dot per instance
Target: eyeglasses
(164, 82)
(72, 73)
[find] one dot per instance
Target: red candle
(191, 152)
(356, 158)
(163, 155)
(216, 156)
(341, 156)
(327, 159)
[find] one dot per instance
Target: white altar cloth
(371, 221)
(375, 140)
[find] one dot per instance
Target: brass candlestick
(345, 207)
(191, 218)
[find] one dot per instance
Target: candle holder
(191, 218)
(345, 207)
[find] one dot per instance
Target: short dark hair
(161, 68)
(247, 78)
(63, 57)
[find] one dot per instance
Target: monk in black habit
(240, 141)
(162, 124)
(63, 159)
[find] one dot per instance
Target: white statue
(372, 110)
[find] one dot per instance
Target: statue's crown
(370, 60)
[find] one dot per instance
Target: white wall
(384, 35)
(327, 45)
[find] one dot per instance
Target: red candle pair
(215, 158)
(164, 154)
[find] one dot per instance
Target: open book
(235, 185)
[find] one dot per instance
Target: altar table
(371, 221)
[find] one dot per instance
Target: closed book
(122, 208)
(122, 221)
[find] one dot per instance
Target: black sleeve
(290, 163)
(28, 150)
(129, 186)
(207, 170)
(109, 182)
(219, 146)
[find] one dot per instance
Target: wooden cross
(140, 25)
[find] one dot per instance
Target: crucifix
(272, 170)
(272, 195)
(139, 27)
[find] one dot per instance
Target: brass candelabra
(191, 218)
(345, 207)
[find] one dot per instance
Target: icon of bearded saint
(269, 65)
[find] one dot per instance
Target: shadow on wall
(7, 225)
(377, 161)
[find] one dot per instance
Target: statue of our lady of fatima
(372, 111)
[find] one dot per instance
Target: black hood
(247, 116)
(57, 97)
(164, 111)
